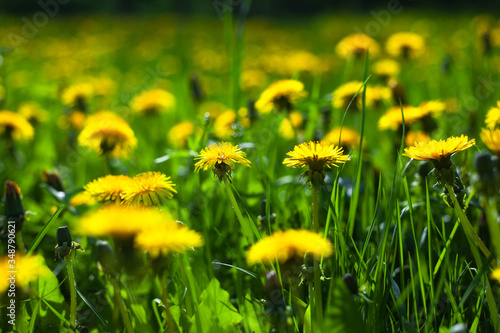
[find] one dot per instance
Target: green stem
(492, 218)
(72, 289)
(246, 230)
(164, 299)
(20, 242)
(318, 302)
(121, 306)
(469, 230)
(471, 236)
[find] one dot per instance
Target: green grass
(407, 246)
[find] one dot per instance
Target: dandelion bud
(398, 92)
(484, 165)
(63, 236)
(351, 283)
(105, 256)
(52, 178)
(252, 112)
(196, 91)
(14, 210)
(272, 287)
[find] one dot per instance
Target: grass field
(119, 128)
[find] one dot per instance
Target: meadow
(223, 174)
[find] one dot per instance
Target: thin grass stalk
(121, 306)
(244, 226)
(72, 289)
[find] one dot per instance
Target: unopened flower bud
(14, 210)
(351, 283)
(53, 179)
(63, 236)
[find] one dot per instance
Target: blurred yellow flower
(491, 138)
(344, 137)
(285, 245)
(405, 44)
(220, 157)
(223, 125)
(386, 68)
(81, 199)
(414, 137)
(286, 130)
(112, 137)
(280, 95)
(149, 189)
(28, 269)
(302, 61)
(121, 220)
(253, 79)
(153, 102)
(178, 134)
(378, 95)
(77, 96)
(213, 109)
(33, 112)
(357, 45)
(15, 127)
(168, 237)
(392, 119)
(296, 119)
(436, 108)
(496, 274)
(343, 95)
(107, 188)
(493, 116)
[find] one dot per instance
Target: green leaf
(342, 315)
(44, 230)
(215, 310)
(307, 321)
(248, 311)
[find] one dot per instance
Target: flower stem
(246, 230)
(469, 230)
(471, 236)
(20, 242)
(164, 299)
(72, 289)
(318, 302)
(121, 306)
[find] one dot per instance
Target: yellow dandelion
(357, 45)
(223, 125)
(77, 119)
(280, 95)
(296, 119)
(286, 130)
(213, 109)
(436, 108)
(107, 188)
(302, 61)
(110, 138)
(168, 237)
(153, 102)
(439, 152)
(33, 112)
(178, 134)
(104, 117)
(493, 116)
(252, 79)
(28, 269)
(491, 138)
(386, 68)
(103, 86)
(286, 245)
(344, 137)
(392, 119)
(121, 220)
(378, 95)
(149, 189)
(77, 96)
(315, 155)
(496, 274)
(406, 45)
(414, 137)
(82, 198)
(343, 95)
(15, 127)
(220, 157)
